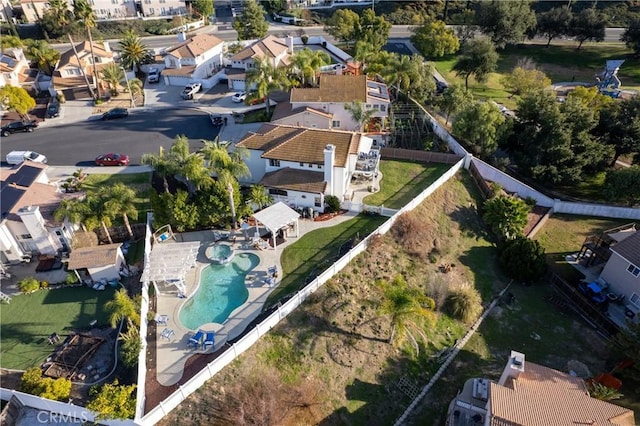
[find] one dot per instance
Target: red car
(112, 160)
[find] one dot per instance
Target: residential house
(162, 7)
(301, 166)
(272, 49)
(304, 116)
(622, 270)
(15, 71)
(533, 395)
(337, 93)
(67, 76)
(97, 263)
(27, 225)
(6, 11)
(196, 58)
(114, 9)
(33, 10)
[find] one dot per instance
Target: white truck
(17, 157)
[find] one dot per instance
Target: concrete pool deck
(172, 353)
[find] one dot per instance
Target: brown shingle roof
(334, 88)
(269, 46)
(542, 396)
(194, 46)
(289, 143)
(285, 109)
(69, 58)
(629, 248)
(93, 257)
(295, 180)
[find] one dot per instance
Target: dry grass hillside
(330, 361)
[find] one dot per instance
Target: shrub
(29, 285)
(464, 304)
(71, 279)
(305, 39)
(507, 216)
(33, 383)
(523, 259)
(332, 204)
(112, 401)
(44, 284)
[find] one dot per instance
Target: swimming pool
(221, 290)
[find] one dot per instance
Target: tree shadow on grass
(482, 261)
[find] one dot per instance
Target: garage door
(237, 84)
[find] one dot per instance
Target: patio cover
(170, 261)
(276, 217)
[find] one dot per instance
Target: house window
(376, 107)
(633, 270)
(310, 165)
(25, 237)
(317, 202)
(318, 166)
(301, 164)
(58, 233)
(282, 192)
(335, 123)
(383, 108)
(635, 299)
(274, 163)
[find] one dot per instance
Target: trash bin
(310, 212)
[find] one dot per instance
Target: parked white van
(17, 157)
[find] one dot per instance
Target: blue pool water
(222, 289)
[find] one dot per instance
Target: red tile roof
(542, 396)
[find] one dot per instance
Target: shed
(102, 262)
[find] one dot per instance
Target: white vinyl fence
(589, 209)
(285, 309)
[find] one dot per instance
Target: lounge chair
(209, 340)
(161, 319)
(196, 339)
(167, 334)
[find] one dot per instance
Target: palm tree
(259, 196)
(136, 85)
(60, 9)
(404, 72)
(121, 307)
(405, 306)
(189, 165)
(228, 167)
(308, 63)
(161, 164)
(85, 14)
(113, 75)
(74, 210)
(265, 78)
(359, 113)
(133, 53)
(364, 52)
(119, 199)
(43, 54)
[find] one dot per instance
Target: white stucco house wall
(114, 9)
(167, 8)
(336, 91)
(305, 116)
(622, 271)
(14, 69)
(301, 166)
(196, 58)
(27, 227)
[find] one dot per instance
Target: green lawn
(564, 234)
(141, 182)
(317, 250)
(402, 181)
(30, 318)
(561, 62)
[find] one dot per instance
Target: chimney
(514, 367)
(290, 44)
(181, 37)
(329, 161)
